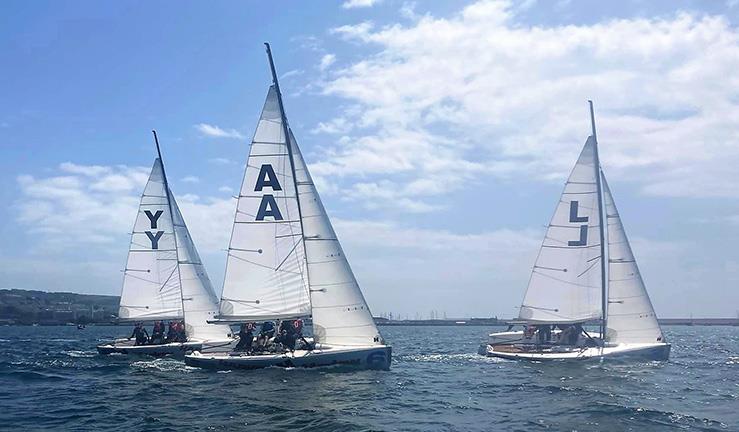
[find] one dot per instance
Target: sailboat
(164, 278)
(585, 273)
(285, 261)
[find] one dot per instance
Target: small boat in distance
(585, 273)
(286, 263)
(164, 278)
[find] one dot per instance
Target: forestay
(151, 287)
(631, 317)
(265, 269)
(340, 313)
(199, 301)
(565, 284)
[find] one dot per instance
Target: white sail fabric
(631, 317)
(265, 270)
(199, 301)
(565, 284)
(151, 282)
(340, 313)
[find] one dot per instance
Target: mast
(286, 131)
(171, 218)
(601, 228)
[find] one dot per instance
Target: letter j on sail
(574, 218)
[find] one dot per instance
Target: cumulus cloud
(352, 4)
(491, 95)
(90, 207)
(326, 61)
(217, 132)
(190, 179)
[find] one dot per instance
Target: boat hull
(644, 351)
(371, 357)
(176, 349)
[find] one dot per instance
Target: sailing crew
(180, 334)
(171, 332)
(246, 337)
(140, 333)
(544, 333)
(157, 334)
(288, 334)
(267, 331)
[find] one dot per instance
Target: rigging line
(564, 281)
(588, 269)
(295, 246)
(260, 265)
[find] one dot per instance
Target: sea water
(51, 378)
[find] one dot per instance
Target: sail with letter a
(265, 269)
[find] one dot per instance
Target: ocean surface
(51, 378)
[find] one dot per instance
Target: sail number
(574, 218)
(153, 222)
(268, 205)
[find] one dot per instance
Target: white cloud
(226, 189)
(190, 179)
(482, 274)
(96, 207)
(326, 61)
(483, 91)
(92, 206)
(352, 4)
(221, 161)
(217, 132)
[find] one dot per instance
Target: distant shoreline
(26, 307)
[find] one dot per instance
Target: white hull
(635, 351)
(179, 349)
(360, 357)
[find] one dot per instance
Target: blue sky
(439, 133)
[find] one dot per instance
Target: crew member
(246, 337)
(140, 333)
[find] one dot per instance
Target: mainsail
(340, 313)
(199, 301)
(631, 317)
(265, 269)
(151, 282)
(565, 284)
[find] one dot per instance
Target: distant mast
(601, 228)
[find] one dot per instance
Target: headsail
(265, 270)
(151, 283)
(565, 284)
(340, 313)
(199, 301)
(631, 317)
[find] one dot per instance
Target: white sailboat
(585, 272)
(285, 261)
(164, 278)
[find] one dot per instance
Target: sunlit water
(51, 378)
